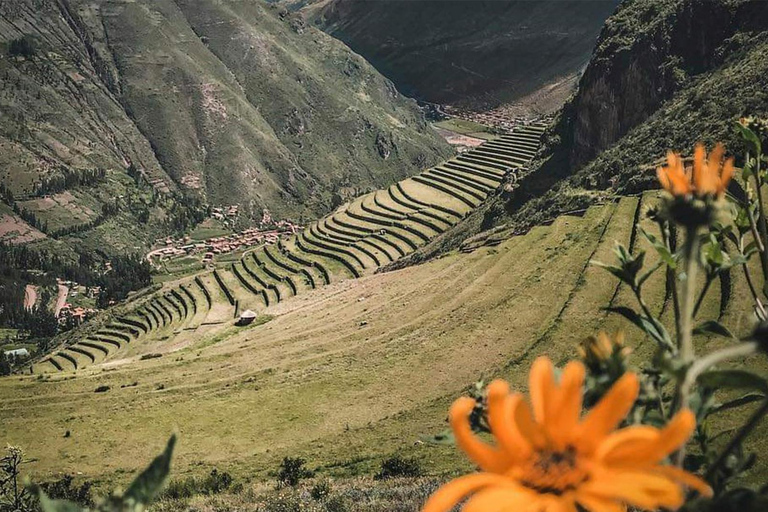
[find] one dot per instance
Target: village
(267, 232)
(502, 119)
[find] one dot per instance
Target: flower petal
(501, 409)
(541, 388)
(498, 499)
(487, 457)
(568, 407)
(628, 446)
(607, 414)
(598, 504)
(725, 177)
(449, 495)
(685, 478)
(674, 435)
(637, 488)
(700, 170)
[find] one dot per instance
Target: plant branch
(734, 443)
(704, 291)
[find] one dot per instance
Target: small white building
(19, 352)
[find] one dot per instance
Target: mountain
(121, 114)
(663, 76)
(466, 51)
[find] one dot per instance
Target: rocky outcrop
(646, 53)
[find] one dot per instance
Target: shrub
(216, 482)
(22, 47)
(336, 504)
(63, 489)
(102, 389)
(321, 490)
(398, 466)
(292, 471)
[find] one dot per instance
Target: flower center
(553, 472)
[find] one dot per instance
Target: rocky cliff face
(664, 75)
(647, 52)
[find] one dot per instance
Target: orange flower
(547, 459)
(710, 176)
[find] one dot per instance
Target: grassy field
(345, 375)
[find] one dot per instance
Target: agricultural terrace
(244, 397)
(359, 237)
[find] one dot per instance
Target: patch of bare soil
(15, 230)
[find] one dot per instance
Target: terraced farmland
(356, 239)
(350, 373)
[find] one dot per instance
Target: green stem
(667, 236)
(691, 261)
(762, 227)
(704, 291)
(687, 353)
(761, 313)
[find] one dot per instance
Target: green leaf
(151, 480)
(738, 402)
(749, 136)
(713, 327)
(733, 379)
(650, 326)
(49, 505)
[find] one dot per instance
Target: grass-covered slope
(354, 371)
(223, 102)
(359, 237)
(664, 75)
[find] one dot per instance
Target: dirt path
(61, 299)
(30, 296)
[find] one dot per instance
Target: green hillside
(113, 113)
(337, 375)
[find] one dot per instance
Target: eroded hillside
(223, 103)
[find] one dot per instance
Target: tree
(5, 364)
(13, 495)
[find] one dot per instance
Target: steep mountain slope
(477, 52)
(223, 102)
(664, 75)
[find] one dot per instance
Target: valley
(308, 267)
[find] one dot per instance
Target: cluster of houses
(225, 212)
(75, 314)
(268, 232)
(504, 118)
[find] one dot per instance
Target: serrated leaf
(146, 486)
(713, 327)
(733, 379)
(49, 505)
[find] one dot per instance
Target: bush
(321, 490)
(398, 467)
(292, 471)
(216, 482)
(63, 489)
(22, 47)
(336, 504)
(102, 389)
